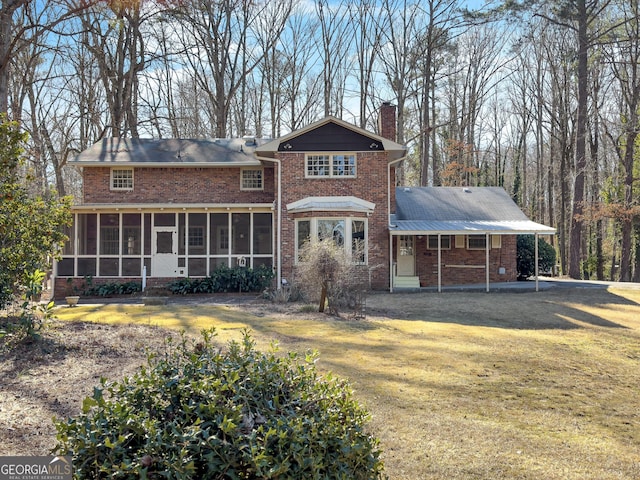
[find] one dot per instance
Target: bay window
(349, 233)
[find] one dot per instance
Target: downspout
(278, 220)
(389, 220)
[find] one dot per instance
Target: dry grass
(462, 385)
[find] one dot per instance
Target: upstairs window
(330, 165)
(251, 179)
(122, 179)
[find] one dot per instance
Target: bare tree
(302, 88)
(333, 49)
(222, 48)
(623, 54)
(367, 40)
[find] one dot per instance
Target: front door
(406, 256)
(164, 261)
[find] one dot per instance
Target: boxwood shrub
(200, 412)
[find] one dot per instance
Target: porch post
(391, 262)
(487, 246)
(536, 258)
(439, 263)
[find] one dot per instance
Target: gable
(331, 137)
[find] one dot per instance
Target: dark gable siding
(331, 138)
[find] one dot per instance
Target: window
(331, 165)
(196, 238)
(476, 242)
(406, 245)
(348, 233)
(121, 179)
(358, 244)
(251, 179)
(344, 165)
(318, 165)
(445, 242)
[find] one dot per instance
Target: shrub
(224, 279)
(113, 288)
(326, 273)
(239, 414)
(526, 256)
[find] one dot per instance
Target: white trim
(348, 234)
(331, 204)
(170, 207)
(111, 179)
(478, 236)
(331, 165)
(439, 237)
(242, 179)
(394, 150)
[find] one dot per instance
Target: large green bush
(225, 279)
(526, 260)
(31, 227)
(201, 413)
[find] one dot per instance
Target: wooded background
(539, 97)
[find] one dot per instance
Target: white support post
(487, 247)
(536, 258)
(439, 262)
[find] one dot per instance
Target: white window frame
(116, 182)
(443, 239)
(328, 165)
(348, 234)
(250, 179)
(478, 237)
(196, 236)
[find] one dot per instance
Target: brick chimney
(387, 121)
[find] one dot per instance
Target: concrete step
(406, 282)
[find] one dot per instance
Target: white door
(164, 260)
(406, 256)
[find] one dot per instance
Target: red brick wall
(370, 184)
(427, 263)
(176, 185)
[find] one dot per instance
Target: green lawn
(463, 385)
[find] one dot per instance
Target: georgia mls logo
(36, 468)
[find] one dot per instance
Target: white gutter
(389, 220)
(278, 241)
(169, 207)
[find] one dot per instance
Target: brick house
(180, 207)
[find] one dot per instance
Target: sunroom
(166, 242)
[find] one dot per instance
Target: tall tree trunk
(577, 222)
(7, 40)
